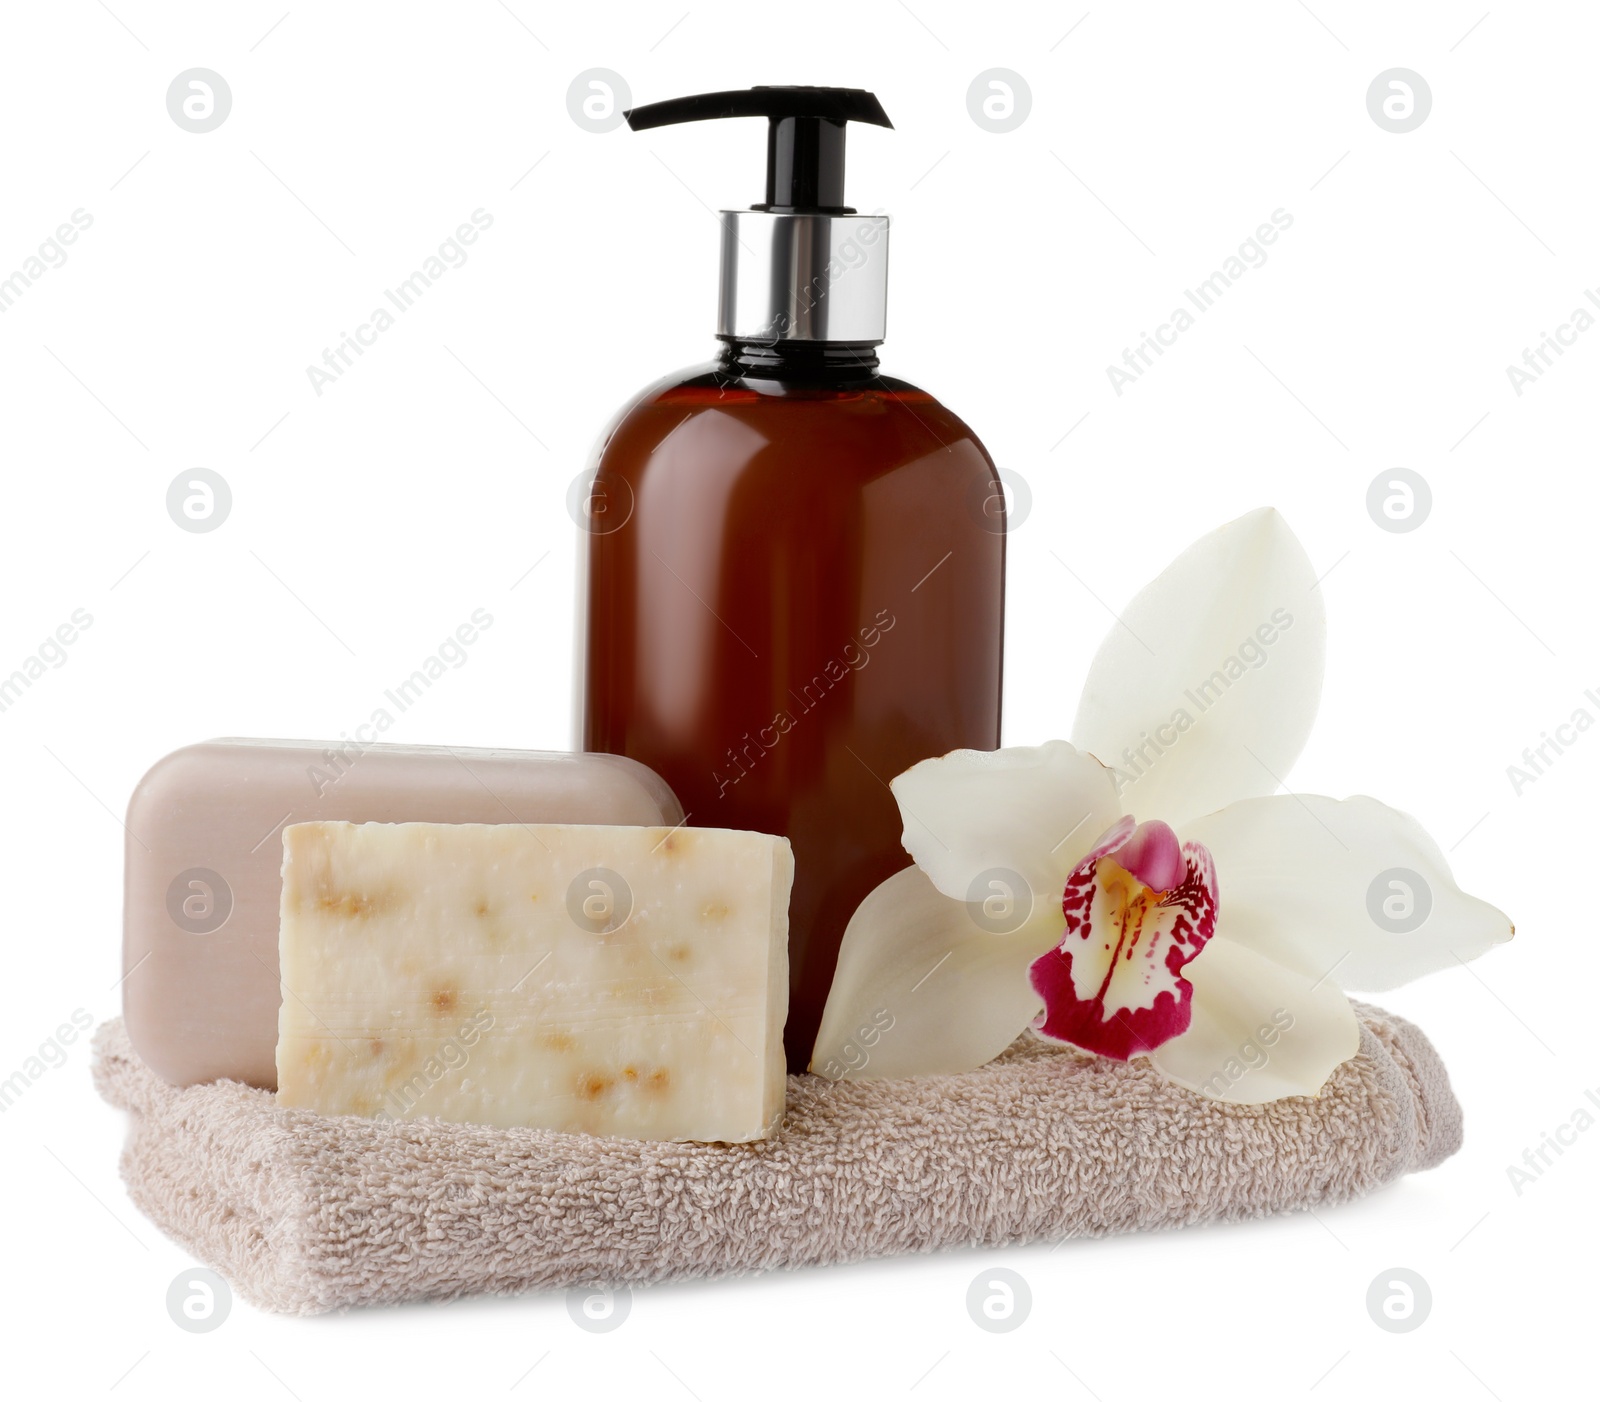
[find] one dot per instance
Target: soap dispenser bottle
(795, 566)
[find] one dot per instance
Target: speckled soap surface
(625, 981)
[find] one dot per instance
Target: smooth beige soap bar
(626, 981)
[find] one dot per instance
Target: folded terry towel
(305, 1213)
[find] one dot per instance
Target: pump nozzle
(805, 137)
(803, 265)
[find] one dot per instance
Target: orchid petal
(1258, 1030)
(1353, 890)
(1029, 813)
(1205, 690)
(1115, 984)
(921, 988)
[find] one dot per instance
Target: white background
(369, 522)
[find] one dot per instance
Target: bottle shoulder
(712, 382)
(875, 401)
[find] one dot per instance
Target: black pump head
(805, 137)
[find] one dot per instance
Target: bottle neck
(800, 362)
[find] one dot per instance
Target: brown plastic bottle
(798, 595)
(795, 571)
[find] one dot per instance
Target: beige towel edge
(304, 1213)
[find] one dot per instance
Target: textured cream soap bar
(611, 980)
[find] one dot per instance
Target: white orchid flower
(1166, 902)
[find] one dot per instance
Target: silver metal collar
(803, 277)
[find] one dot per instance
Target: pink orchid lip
(1152, 855)
(1137, 909)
